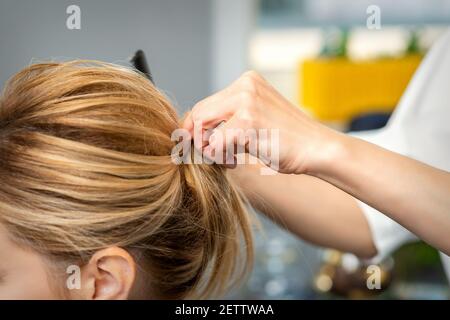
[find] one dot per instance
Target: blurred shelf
(337, 89)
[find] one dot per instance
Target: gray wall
(175, 35)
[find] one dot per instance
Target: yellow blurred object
(337, 89)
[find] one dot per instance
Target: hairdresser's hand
(385, 180)
(252, 103)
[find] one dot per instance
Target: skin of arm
(314, 210)
(410, 192)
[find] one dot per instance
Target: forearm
(313, 209)
(410, 192)
(414, 194)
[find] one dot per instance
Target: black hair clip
(140, 63)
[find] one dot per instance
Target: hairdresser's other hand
(252, 103)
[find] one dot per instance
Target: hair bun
(84, 162)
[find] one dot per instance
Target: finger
(210, 113)
(226, 159)
(187, 122)
(200, 137)
(223, 104)
(202, 129)
(229, 140)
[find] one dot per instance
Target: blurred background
(321, 54)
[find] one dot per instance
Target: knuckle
(196, 111)
(251, 74)
(195, 108)
(247, 117)
(248, 99)
(195, 116)
(249, 82)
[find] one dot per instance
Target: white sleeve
(387, 234)
(419, 129)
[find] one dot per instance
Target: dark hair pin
(140, 63)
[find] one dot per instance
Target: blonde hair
(85, 164)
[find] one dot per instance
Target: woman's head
(87, 180)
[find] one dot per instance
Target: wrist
(332, 150)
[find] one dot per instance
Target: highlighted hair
(85, 164)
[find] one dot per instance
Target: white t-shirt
(419, 128)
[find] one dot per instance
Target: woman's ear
(109, 275)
